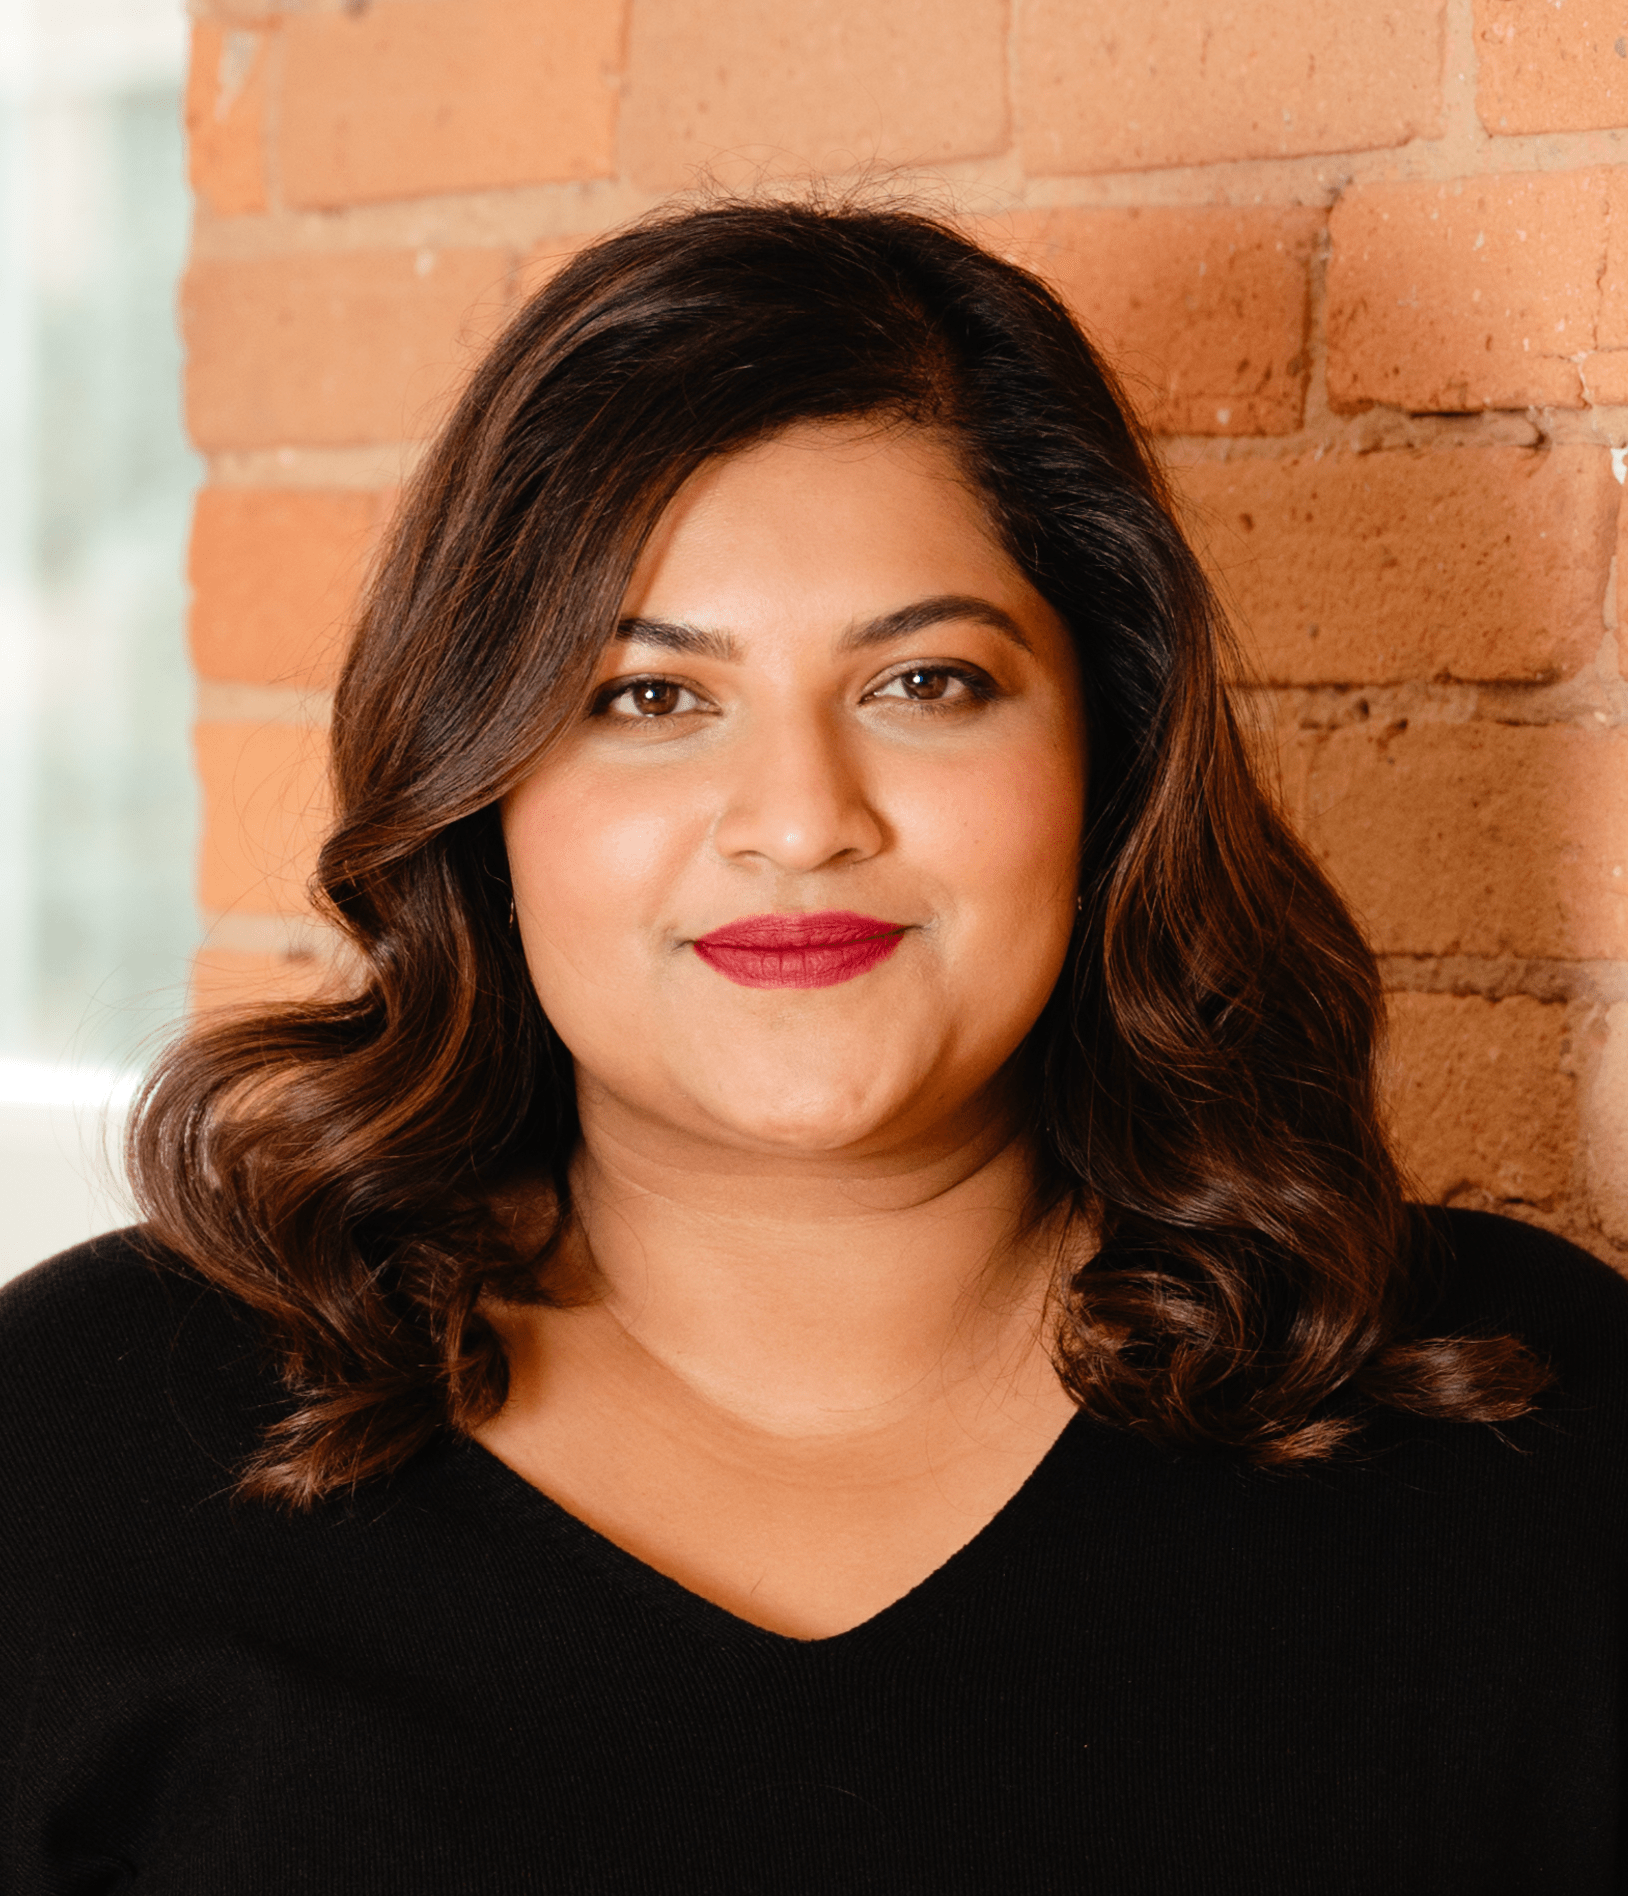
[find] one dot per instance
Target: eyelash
(620, 688)
(978, 686)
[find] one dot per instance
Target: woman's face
(804, 876)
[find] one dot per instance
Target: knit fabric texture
(1150, 1675)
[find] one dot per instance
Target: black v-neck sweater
(1149, 1673)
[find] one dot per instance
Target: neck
(813, 1296)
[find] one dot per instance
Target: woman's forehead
(859, 517)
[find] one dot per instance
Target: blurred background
(1363, 268)
(98, 802)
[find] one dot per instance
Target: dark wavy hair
(1201, 1083)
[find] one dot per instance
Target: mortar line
(522, 215)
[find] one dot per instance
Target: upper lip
(828, 928)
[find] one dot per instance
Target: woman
(830, 1311)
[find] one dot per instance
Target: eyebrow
(675, 636)
(936, 611)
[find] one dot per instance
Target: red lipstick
(799, 951)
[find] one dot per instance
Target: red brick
(1203, 311)
(1622, 586)
(275, 574)
(1605, 378)
(1612, 338)
(1106, 86)
(1470, 295)
(1604, 372)
(410, 97)
(1606, 1124)
(353, 347)
(1377, 568)
(544, 261)
(1477, 839)
(793, 86)
(1478, 1096)
(227, 978)
(1543, 68)
(225, 118)
(265, 808)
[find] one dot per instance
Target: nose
(795, 799)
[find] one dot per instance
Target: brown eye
(648, 698)
(925, 685)
(935, 684)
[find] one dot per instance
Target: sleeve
(97, 1464)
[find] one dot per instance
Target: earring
(511, 914)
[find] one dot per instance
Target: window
(97, 802)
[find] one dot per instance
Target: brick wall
(1365, 266)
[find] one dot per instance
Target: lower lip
(811, 965)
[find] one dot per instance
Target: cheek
(588, 856)
(1006, 835)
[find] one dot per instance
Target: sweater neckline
(501, 1491)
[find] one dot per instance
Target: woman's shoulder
(115, 1357)
(112, 1302)
(1503, 1269)
(1501, 1276)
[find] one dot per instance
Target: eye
(635, 698)
(935, 684)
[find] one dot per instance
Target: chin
(808, 1127)
(804, 1118)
